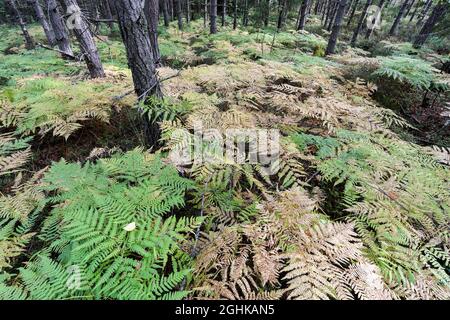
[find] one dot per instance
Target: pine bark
(360, 23)
(49, 34)
(352, 13)
(134, 31)
(86, 41)
(394, 29)
(213, 17)
(235, 11)
(179, 13)
(151, 8)
(165, 11)
(224, 12)
(29, 41)
(336, 27)
(303, 13)
(59, 28)
(436, 16)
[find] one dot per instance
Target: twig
(72, 57)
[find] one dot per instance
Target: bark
(188, 11)
(352, 13)
(245, 18)
(333, 15)
(59, 28)
(29, 41)
(224, 12)
(205, 12)
(165, 10)
(436, 16)
(336, 27)
(424, 12)
(398, 18)
(49, 34)
(267, 13)
(235, 10)
(328, 10)
(151, 9)
(283, 5)
(85, 39)
(134, 32)
(413, 14)
(302, 20)
(213, 17)
(360, 23)
(179, 14)
(411, 4)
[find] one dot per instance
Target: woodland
(94, 95)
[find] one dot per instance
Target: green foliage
(396, 196)
(108, 231)
(415, 72)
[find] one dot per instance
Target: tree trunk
(49, 34)
(165, 10)
(151, 9)
(86, 40)
(205, 13)
(327, 12)
(245, 18)
(29, 42)
(413, 14)
(424, 12)
(436, 15)
(179, 14)
(134, 31)
(235, 11)
(267, 13)
(302, 20)
(360, 23)
(281, 14)
(398, 18)
(224, 12)
(336, 27)
(213, 16)
(333, 15)
(188, 11)
(352, 13)
(59, 28)
(411, 4)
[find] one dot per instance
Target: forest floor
(364, 147)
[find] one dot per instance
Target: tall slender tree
(303, 14)
(59, 28)
(359, 26)
(80, 28)
(224, 12)
(213, 17)
(134, 32)
(439, 11)
(336, 27)
(394, 29)
(235, 14)
(179, 15)
(49, 34)
(165, 10)
(151, 8)
(29, 41)
(352, 12)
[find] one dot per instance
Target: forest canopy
(214, 149)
